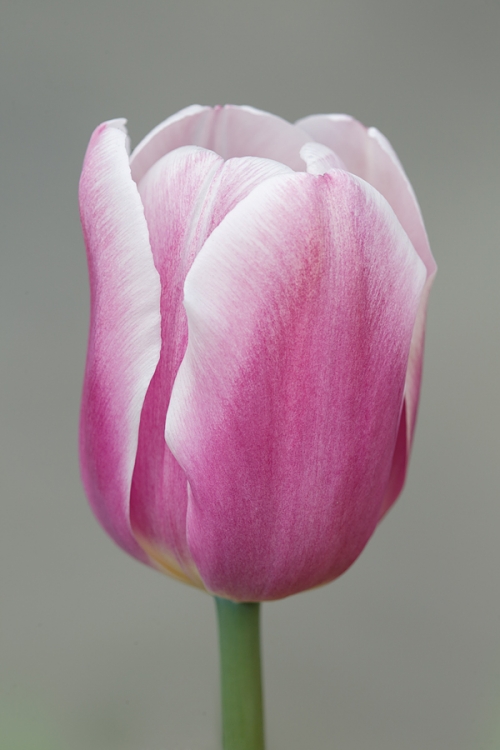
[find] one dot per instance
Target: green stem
(241, 684)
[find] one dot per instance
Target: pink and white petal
(124, 340)
(285, 410)
(171, 192)
(230, 131)
(237, 178)
(185, 195)
(369, 155)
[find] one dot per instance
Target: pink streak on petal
(124, 339)
(368, 154)
(185, 195)
(285, 410)
(230, 131)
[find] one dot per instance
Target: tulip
(258, 302)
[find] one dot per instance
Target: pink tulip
(258, 301)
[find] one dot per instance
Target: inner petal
(230, 131)
(320, 159)
(185, 196)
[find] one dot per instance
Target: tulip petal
(124, 339)
(320, 159)
(368, 154)
(185, 128)
(285, 410)
(230, 131)
(185, 196)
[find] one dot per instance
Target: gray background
(98, 652)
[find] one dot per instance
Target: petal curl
(285, 410)
(185, 196)
(368, 154)
(230, 131)
(320, 159)
(124, 340)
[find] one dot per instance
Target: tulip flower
(258, 303)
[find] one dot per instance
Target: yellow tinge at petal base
(166, 563)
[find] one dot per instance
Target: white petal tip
(319, 158)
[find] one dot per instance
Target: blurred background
(100, 653)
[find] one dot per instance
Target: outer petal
(285, 410)
(124, 341)
(368, 154)
(185, 196)
(229, 131)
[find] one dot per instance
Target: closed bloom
(258, 301)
